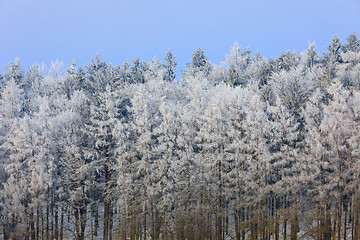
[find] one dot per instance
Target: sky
(41, 31)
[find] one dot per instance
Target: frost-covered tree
(15, 72)
(101, 129)
(11, 104)
(237, 62)
(69, 83)
(260, 69)
(286, 61)
(97, 77)
(199, 63)
(334, 50)
(73, 188)
(137, 71)
(286, 162)
(284, 136)
(351, 54)
(169, 66)
(154, 69)
(311, 56)
(332, 58)
(34, 78)
(293, 88)
(352, 45)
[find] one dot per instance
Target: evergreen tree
(137, 73)
(96, 78)
(238, 62)
(334, 50)
(352, 45)
(169, 67)
(332, 58)
(286, 61)
(15, 72)
(154, 69)
(311, 56)
(199, 63)
(69, 84)
(34, 79)
(101, 127)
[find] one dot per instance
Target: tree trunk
(96, 220)
(42, 223)
(153, 220)
(144, 219)
(285, 216)
(243, 217)
(220, 218)
(294, 223)
(37, 233)
(327, 222)
(345, 226)
(77, 223)
(111, 223)
(32, 224)
(277, 218)
(237, 227)
(339, 219)
(47, 233)
(107, 201)
(106, 219)
(62, 224)
(356, 220)
(83, 220)
(52, 217)
(164, 229)
(56, 231)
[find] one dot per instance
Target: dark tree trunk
(32, 224)
(106, 204)
(56, 230)
(62, 224)
(237, 227)
(294, 224)
(47, 230)
(37, 232)
(83, 221)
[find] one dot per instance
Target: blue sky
(39, 31)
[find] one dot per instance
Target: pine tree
(34, 81)
(238, 62)
(352, 45)
(169, 67)
(286, 61)
(101, 126)
(69, 83)
(334, 50)
(311, 56)
(15, 72)
(199, 63)
(137, 73)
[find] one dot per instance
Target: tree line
(252, 148)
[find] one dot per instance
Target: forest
(251, 148)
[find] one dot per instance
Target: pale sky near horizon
(39, 31)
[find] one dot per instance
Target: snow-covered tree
(101, 129)
(311, 56)
(15, 72)
(237, 62)
(170, 66)
(199, 63)
(352, 45)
